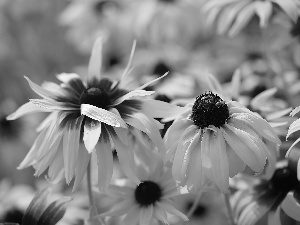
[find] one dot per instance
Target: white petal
(240, 141)
(51, 105)
(132, 94)
(40, 91)
(146, 215)
(132, 216)
(160, 109)
(274, 217)
(95, 62)
(236, 165)
(214, 84)
(278, 114)
(102, 115)
(152, 81)
(264, 11)
(291, 207)
(295, 126)
(119, 208)
(219, 159)
(261, 126)
(126, 159)
(147, 125)
(70, 149)
(56, 168)
(83, 160)
(105, 165)
(91, 135)
(290, 7)
(25, 109)
(242, 19)
(66, 77)
(295, 111)
(125, 76)
(261, 99)
(160, 215)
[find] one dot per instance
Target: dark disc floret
(148, 193)
(96, 97)
(284, 180)
(209, 109)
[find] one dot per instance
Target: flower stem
(194, 206)
(89, 185)
(229, 210)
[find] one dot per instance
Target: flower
(268, 197)
(232, 16)
(214, 140)
(148, 202)
(97, 115)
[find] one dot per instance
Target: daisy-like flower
(270, 198)
(83, 114)
(214, 140)
(233, 15)
(148, 202)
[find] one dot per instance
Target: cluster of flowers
(165, 149)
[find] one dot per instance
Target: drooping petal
(105, 165)
(70, 148)
(146, 215)
(160, 109)
(102, 115)
(236, 165)
(244, 146)
(83, 160)
(25, 109)
(126, 159)
(219, 159)
(91, 134)
(132, 94)
(51, 105)
(291, 207)
(95, 63)
(147, 125)
(295, 126)
(56, 168)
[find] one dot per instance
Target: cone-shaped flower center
(96, 97)
(209, 109)
(147, 193)
(284, 180)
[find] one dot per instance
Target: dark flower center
(161, 68)
(147, 193)
(295, 31)
(14, 215)
(209, 109)
(96, 97)
(284, 180)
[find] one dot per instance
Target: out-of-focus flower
(166, 21)
(87, 19)
(233, 15)
(210, 209)
(151, 200)
(13, 201)
(269, 197)
(214, 140)
(84, 114)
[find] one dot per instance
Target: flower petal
(25, 109)
(66, 77)
(291, 207)
(70, 149)
(262, 98)
(264, 11)
(132, 94)
(274, 217)
(160, 109)
(146, 215)
(126, 159)
(50, 105)
(83, 160)
(131, 217)
(105, 165)
(41, 91)
(102, 115)
(95, 62)
(219, 159)
(91, 134)
(245, 147)
(290, 7)
(168, 207)
(119, 209)
(236, 164)
(261, 126)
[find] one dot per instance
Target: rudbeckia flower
(269, 198)
(148, 202)
(92, 116)
(214, 140)
(233, 15)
